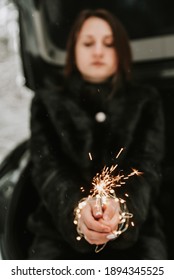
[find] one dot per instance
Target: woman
(76, 130)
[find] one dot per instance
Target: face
(96, 58)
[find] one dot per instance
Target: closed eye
(88, 44)
(109, 45)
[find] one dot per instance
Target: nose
(98, 50)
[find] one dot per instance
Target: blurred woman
(78, 128)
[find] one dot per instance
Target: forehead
(95, 26)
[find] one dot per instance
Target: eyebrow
(92, 36)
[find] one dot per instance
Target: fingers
(112, 208)
(94, 231)
(94, 237)
(97, 223)
(90, 222)
(111, 214)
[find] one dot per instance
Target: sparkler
(105, 182)
(103, 188)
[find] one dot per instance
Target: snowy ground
(14, 97)
(14, 102)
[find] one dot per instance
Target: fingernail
(110, 236)
(98, 213)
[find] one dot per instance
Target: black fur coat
(64, 130)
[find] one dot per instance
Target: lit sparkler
(105, 182)
(103, 188)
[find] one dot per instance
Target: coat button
(100, 117)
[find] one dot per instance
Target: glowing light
(82, 189)
(90, 156)
(104, 182)
(119, 152)
(103, 188)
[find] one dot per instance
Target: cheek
(78, 59)
(80, 63)
(114, 61)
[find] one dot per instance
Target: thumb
(110, 209)
(107, 214)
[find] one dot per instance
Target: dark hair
(121, 42)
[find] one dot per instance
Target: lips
(98, 63)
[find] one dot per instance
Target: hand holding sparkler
(94, 231)
(98, 228)
(102, 216)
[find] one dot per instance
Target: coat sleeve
(56, 180)
(145, 154)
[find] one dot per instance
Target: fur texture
(63, 132)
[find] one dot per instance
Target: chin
(96, 79)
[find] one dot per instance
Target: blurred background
(33, 36)
(14, 96)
